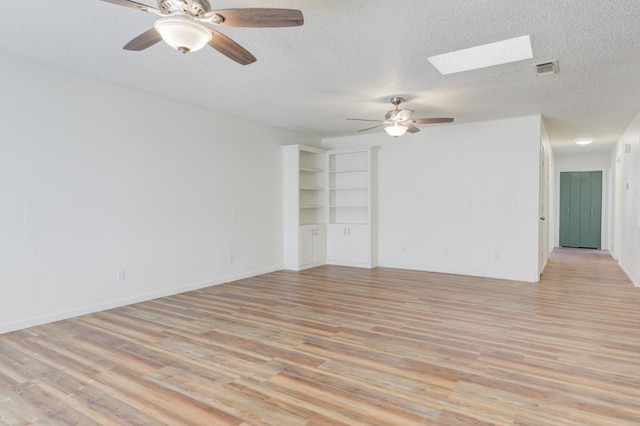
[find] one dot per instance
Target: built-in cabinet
(313, 246)
(329, 214)
(348, 245)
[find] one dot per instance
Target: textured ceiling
(351, 56)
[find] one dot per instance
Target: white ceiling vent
(547, 68)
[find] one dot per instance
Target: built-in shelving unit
(329, 199)
(304, 214)
(311, 170)
(350, 204)
(348, 182)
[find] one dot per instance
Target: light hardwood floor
(342, 346)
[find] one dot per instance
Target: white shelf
(311, 207)
(302, 169)
(355, 188)
(311, 188)
(349, 171)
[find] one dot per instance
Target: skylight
(486, 55)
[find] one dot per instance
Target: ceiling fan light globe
(182, 34)
(396, 130)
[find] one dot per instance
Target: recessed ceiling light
(583, 141)
(486, 55)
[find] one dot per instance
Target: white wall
(585, 163)
(626, 168)
(547, 204)
(95, 178)
(459, 198)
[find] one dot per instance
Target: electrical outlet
(120, 275)
(230, 257)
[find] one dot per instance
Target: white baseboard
(468, 273)
(628, 275)
(354, 265)
(57, 316)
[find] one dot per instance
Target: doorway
(581, 209)
(543, 224)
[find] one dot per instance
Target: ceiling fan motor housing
(391, 115)
(190, 7)
(397, 114)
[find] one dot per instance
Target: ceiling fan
(398, 121)
(183, 25)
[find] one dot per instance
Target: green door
(580, 209)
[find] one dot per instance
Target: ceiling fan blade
(231, 49)
(363, 119)
(369, 128)
(134, 5)
(144, 40)
(432, 120)
(412, 128)
(260, 17)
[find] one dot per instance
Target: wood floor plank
(282, 397)
(344, 346)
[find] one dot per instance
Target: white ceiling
(351, 56)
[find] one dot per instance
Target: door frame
(543, 210)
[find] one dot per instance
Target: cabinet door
(565, 209)
(596, 210)
(358, 243)
(574, 206)
(584, 236)
(320, 244)
(336, 243)
(305, 238)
